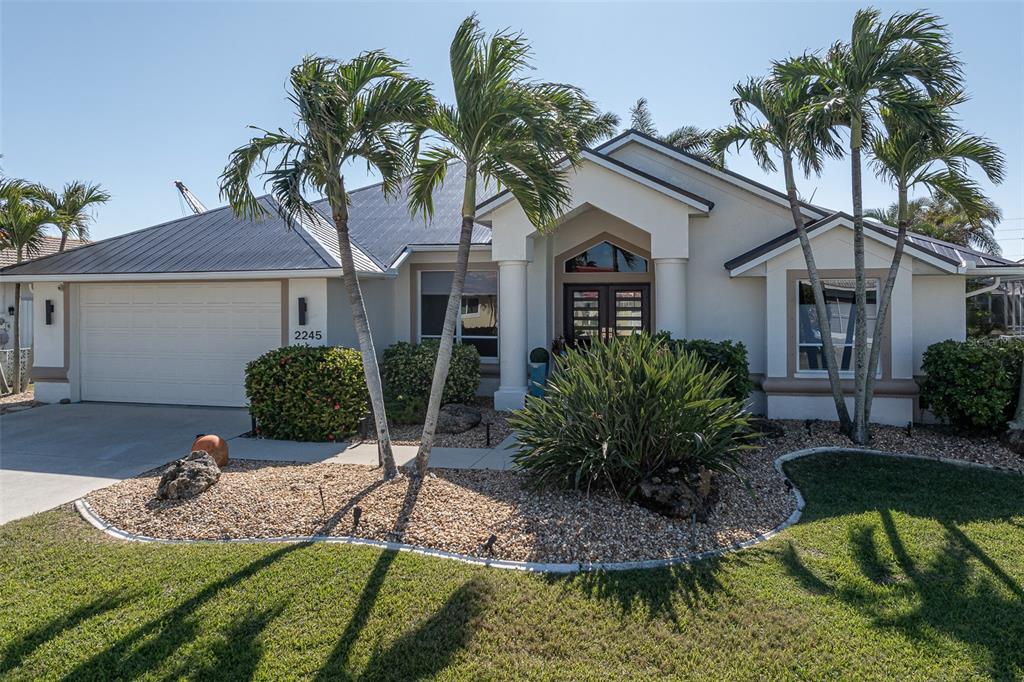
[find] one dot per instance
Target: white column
(670, 296)
(511, 334)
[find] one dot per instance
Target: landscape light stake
(322, 503)
(357, 514)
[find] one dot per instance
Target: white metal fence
(7, 363)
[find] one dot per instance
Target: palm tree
(690, 139)
(940, 217)
(22, 223)
(508, 130)
(899, 65)
(910, 156)
(944, 218)
(767, 122)
(72, 208)
(367, 109)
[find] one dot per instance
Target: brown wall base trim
(893, 388)
(59, 374)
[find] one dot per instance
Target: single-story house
(47, 245)
(653, 239)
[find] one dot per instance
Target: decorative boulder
(188, 477)
(674, 499)
(213, 445)
(455, 418)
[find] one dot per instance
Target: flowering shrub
(307, 393)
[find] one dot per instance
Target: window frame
(576, 253)
(459, 336)
(796, 345)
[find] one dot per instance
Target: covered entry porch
(615, 263)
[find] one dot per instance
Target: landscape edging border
(86, 511)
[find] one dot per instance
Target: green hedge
(972, 384)
(307, 393)
(729, 356)
(619, 412)
(407, 370)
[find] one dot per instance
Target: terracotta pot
(213, 445)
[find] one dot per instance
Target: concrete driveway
(54, 454)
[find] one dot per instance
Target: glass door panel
(603, 311)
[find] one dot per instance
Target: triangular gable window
(606, 257)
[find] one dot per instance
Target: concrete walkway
(498, 457)
(54, 454)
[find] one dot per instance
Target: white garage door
(184, 344)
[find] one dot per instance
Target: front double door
(604, 311)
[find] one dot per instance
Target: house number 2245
(306, 335)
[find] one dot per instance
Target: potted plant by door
(538, 370)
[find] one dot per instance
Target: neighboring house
(653, 239)
(49, 245)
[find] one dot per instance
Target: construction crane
(193, 203)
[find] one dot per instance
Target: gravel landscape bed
(457, 510)
(15, 402)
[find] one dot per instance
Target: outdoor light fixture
(49, 311)
(302, 311)
(10, 310)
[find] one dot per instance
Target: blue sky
(137, 95)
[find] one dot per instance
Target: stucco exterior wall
(939, 312)
(379, 299)
(719, 307)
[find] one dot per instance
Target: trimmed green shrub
(540, 356)
(307, 393)
(972, 384)
(616, 413)
(407, 370)
(729, 356)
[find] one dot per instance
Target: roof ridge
(710, 166)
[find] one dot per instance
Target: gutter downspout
(984, 290)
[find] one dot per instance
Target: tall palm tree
(939, 216)
(508, 130)
(766, 111)
(72, 208)
(22, 223)
(898, 64)
(687, 138)
(910, 156)
(367, 109)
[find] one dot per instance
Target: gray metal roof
(385, 228)
(324, 232)
(951, 253)
(215, 241)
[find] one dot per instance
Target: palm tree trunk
(17, 337)
(860, 426)
(371, 370)
(885, 297)
(63, 241)
(451, 316)
(820, 307)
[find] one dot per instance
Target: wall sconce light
(302, 311)
(10, 310)
(49, 311)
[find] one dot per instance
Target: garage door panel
(175, 343)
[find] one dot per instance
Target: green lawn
(898, 570)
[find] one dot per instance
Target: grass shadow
(337, 660)
(658, 592)
(26, 644)
(428, 649)
(156, 640)
(928, 589)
